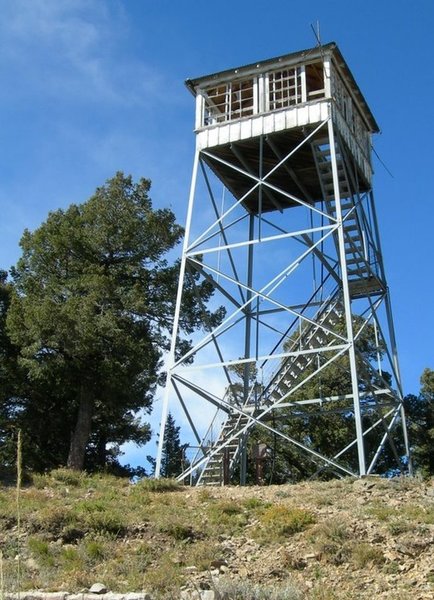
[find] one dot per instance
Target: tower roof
(295, 58)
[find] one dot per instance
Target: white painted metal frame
(197, 255)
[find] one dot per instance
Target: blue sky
(89, 87)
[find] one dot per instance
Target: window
(284, 88)
(229, 101)
(315, 81)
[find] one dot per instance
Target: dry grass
(246, 590)
(278, 522)
(156, 536)
(330, 540)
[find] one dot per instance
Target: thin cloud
(73, 50)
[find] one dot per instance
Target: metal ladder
(313, 336)
(213, 472)
(361, 268)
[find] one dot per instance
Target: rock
(403, 549)
(189, 595)
(220, 562)
(31, 564)
(190, 569)
(204, 585)
(207, 595)
(98, 588)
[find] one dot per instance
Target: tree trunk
(80, 435)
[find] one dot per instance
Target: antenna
(316, 32)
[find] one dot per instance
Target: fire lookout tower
(281, 222)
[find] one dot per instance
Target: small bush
(107, 523)
(364, 554)
(283, 493)
(253, 503)
(419, 514)
(95, 550)
(245, 590)
(382, 512)
(40, 549)
(281, 521)
(51, 519)
(322, 592)
(228, 516)
(64, 476)
(165, 579)
(179, 531)
(205, 495)
(398, 527)
(159, 485)
(201, 554)
(71, 559)
(324, 499)
(330, 541)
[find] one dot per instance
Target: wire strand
(382, 162)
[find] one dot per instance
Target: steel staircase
(361, 267)
(363, 281)
(313, 335)
(213, 473)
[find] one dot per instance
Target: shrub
(245, 590)
(280, 521)
(330, 541)
(253, 503)
(165, 578)
(40, 549)
(159, 485)
(201, 554)
(229, 516)
(364, 554)
(179, 531)
(95, 550)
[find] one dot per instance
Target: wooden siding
(263, 124)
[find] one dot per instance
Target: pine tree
(172, 462)
(420, 410)
(90, 314)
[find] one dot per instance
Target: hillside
(344, 539)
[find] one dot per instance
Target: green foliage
(329, 426)
(179, 530)
(278, 522)
(228, 516)
(410, 515)
(40, 549)
(11, 404)
(158, 485)
(255, 503)
(83, 326)
(172, 459)
(420, 411)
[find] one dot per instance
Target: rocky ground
(343, 539)
(372, 539)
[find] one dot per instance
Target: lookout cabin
(253, 116)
